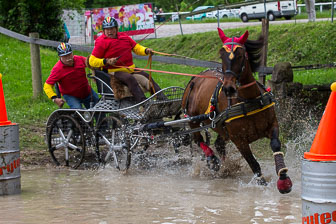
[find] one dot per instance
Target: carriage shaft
(161, 124)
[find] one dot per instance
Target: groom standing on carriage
(113, 53)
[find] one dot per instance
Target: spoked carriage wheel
(66, 142)
(111, 144)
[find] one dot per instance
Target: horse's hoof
(261, 181)
(213, 163)
(284, 184)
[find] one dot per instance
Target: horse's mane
(254, 51)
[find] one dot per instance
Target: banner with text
(132, 19)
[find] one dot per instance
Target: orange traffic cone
(324, 144)
(3, 112)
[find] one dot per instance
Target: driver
(69, 73)
(114, 49)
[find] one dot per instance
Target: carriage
(239, 109)
(116, 128)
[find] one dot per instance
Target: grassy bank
(300, 44)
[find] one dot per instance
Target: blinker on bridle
(234, 46)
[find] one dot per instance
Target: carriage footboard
(164, 103)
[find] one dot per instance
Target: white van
(274, 10)
(224, 13)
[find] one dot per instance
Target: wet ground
(158, 188)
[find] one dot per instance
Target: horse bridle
(231, 57)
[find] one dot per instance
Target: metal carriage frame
(115, 128)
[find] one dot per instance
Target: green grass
(17, 80)
(323, 14)
(300, 44)
(315, 77)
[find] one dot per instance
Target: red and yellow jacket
(123, 46)
(71, 79)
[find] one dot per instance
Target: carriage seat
(103, 82)
(120, 90)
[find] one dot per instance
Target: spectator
(66, 33)
(155, 12)
(161, 18)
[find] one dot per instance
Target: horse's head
(234, 58)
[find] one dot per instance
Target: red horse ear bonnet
(241, 40)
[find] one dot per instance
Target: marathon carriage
(240, 110)
(116, 128)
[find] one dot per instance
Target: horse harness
(244, 108)
(247, 106)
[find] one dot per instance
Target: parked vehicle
(224, 13)
(202, 15)
(174, 16)
(274, 10)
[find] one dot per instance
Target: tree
(73, 4)
(42, 16)
(109, 3)
(166, 5)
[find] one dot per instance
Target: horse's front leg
(246, 152)
(284, 183)
(212, 161)
(220, 143)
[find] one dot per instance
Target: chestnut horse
(240, 57)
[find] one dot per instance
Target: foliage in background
(170, 5)
(42, 16)
(73, 4)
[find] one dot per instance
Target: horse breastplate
(248, 108)
(241, 109)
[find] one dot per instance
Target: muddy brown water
(167, 189)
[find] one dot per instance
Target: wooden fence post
(265, 26)
(35, 66)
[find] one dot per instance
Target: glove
(149, 51)
(111, 61)
(59, 102)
